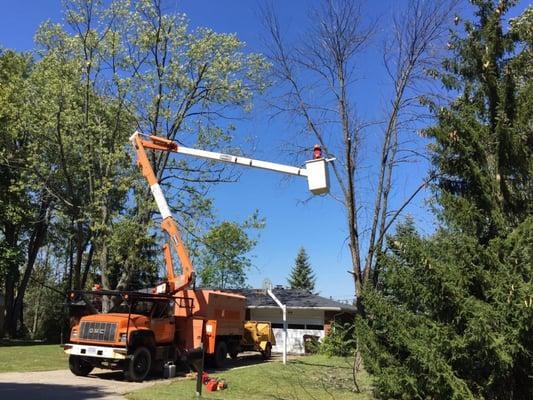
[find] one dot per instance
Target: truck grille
(98, 331)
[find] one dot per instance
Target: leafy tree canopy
(69, 191)
(224, 258)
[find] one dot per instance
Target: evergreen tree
(453, 318)
(302, 276)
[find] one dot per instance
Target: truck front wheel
(78, 366)
(138, 367)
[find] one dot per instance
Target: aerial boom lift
(315, 171)
(172, 323)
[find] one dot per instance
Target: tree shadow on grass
(243, 360)
(44, 391)
(314, 364)
(118, 375)
(23, 343)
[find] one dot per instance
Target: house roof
(292, 298)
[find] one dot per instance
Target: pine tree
(302, 276)
(453, 318)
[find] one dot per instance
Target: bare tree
(317, 80)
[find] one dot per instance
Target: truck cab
(137, 335)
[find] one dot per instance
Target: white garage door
(300, 322)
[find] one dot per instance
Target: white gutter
(305, 308)
(284, 311)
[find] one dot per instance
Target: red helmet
(317, 151)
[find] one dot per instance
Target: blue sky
(319, 224)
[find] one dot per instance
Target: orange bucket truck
(171, 323)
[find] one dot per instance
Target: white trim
(160, 200)
(306, 308)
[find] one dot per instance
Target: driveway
(100, 384)
(63, 385)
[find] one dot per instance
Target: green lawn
(38, 357)
(312, 377)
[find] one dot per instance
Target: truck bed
(227, 309)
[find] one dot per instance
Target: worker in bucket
(317, 151)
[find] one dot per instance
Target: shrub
(340, 341)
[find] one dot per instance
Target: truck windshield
(138, 307)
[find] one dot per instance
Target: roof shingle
(292, 298)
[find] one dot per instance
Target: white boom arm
(248, 162)
(315, 171)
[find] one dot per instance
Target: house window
(296, 326)
(310, 327)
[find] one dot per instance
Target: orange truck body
(223, 312)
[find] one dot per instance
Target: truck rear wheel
(233, 350)
(138, 367)
(267, 353)
(221, 354)
(78, 366)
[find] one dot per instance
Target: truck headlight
(74, 334)
(123, 337)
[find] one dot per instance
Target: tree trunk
(36, 241)
(36, 314)
(88, 264)
(80, 247)
(70, 258)
(12, 276)
(106, 285)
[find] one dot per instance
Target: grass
(38, 357)
(310, 377)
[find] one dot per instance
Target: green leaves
(66, 113)
(225, 256)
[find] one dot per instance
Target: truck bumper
(86, 350)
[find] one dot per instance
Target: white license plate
(91, 350)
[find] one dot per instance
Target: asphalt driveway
(63, 385)
(100, 384)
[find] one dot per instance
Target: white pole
(284, 334)
(284, 312)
